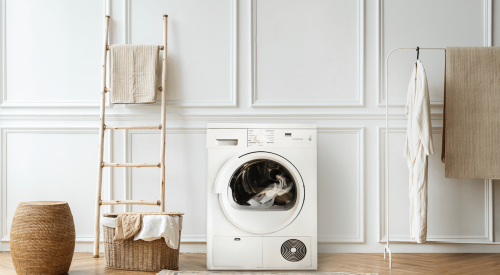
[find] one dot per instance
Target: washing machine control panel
(281, 138)
(260, 137)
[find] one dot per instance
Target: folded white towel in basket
(134, 73)
(157, 226)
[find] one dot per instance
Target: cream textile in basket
(139, 255)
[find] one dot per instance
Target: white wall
(318, 61)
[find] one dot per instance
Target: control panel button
(260, 138)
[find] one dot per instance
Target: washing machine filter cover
(293, 250)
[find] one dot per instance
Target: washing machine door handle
(224, 176)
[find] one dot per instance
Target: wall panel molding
(127, 137)
(488, 23)
(232, 100)
(65, 104)
(488, 34)
(215, 117)
(4, 131)
(256, 102)
(357, 237)
(487, 237)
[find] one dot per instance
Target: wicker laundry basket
(42, 237)
(139, 255)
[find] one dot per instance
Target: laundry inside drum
(262, 185)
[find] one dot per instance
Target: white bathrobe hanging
(418, 147)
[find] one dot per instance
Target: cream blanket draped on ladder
(418, 147)
(134, 73)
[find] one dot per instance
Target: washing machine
(262, 196)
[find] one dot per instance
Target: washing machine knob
(260, 138)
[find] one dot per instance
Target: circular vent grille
(293, 250)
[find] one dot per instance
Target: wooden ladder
(103, 127)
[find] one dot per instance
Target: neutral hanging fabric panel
(471, 124)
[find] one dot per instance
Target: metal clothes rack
(386, 175)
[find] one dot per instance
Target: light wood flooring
(476, 263)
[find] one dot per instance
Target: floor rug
(174, 272)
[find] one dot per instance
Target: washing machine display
(262, 185)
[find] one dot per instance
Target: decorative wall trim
(488, 34)
(358, 237)
(354, 238)
(380, 52)
(233, 63)
(81, 130)
(37, 130)
(231, 102)
(488, 22)
(256, 102)
(111, 183)
(491, 211)
(127, 135)
(488, 199)
(128, 16)
(210, 117)
(127, 142)
(4, 103)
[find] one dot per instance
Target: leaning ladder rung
(107, 164)
(132, 127)
(114, 202)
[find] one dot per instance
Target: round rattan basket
(42, 237)
(139, 255)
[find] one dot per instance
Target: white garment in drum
(418, 147)
(265, 199)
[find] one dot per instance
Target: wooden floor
(83, 263)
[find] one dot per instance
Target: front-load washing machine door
(260, 192)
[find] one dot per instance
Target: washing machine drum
(260, 192)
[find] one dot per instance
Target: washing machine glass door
(260, 192)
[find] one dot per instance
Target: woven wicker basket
(139, 255)
(42, 237)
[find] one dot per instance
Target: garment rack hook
(418, 51)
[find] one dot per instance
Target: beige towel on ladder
(471, 124)
(134, 73)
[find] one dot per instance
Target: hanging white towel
(157, 226)
(134, 73)
(418, 146)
